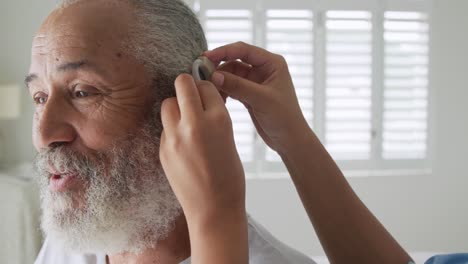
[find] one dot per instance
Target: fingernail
(217, 79)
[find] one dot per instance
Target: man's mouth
(62, 182)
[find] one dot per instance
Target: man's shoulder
(265, 248)
(53, 254)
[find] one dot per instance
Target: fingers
(238, 88)
(255, 56)
(245, 71)
(193, 98)
(224, 96)
(188, 97)
(236, 67)
(170, 113)
(210, 96)
(162, 142)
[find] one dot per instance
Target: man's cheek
(35, 131)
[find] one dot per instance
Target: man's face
(88, 91)
(96, 133)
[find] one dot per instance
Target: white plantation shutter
(290, 33)
(405, 85)
(223, 26)
(360, 73)
(227, 26)
(348, 84)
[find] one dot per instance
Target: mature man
(103, 77)
(99, 72)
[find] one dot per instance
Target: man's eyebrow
(69, 66)
(29, 78)
(80, 65)
(75, 65)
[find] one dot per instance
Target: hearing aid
(202, 69)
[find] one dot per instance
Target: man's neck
(172, 250)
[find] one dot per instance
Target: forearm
(346, 228)
(221, 238)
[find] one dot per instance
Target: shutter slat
(348, 84)
(290, 33)
(405, 85)
(224, 26)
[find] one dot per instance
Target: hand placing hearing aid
(202, 69)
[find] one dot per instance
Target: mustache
(63, 159)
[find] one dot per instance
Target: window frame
(376, 165)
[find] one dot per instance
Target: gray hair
(167, 37)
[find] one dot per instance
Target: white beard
(126, 206)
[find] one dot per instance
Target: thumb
(237, 87)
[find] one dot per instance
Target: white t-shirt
(263, 249)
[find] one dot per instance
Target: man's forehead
(46, 43)
(83, 36)
(69, 52)
(84, 23)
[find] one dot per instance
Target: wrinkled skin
(90, 92)
(102, 95)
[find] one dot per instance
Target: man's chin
(108, 225)
(86, 238)
(77, 232)
(75, 239)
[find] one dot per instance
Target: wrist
(301, 137)
(209, 227)
(217, 218)
(221, 237)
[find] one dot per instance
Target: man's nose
(54, 124)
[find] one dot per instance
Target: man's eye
(40, 99)
(81, 94)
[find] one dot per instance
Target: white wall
(423, 212)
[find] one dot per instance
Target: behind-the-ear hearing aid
(202, 69)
